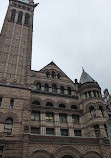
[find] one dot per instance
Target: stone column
(42, 121)
(70, 125)
(57, 126)
(102, 131)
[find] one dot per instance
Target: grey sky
(72, 33)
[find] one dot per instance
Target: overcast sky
(72, 33)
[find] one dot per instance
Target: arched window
(92, 112)
(36, 102)
(47, 74)
(54, 88)
(13, 14)
(8, 126)
(62, 90)
(49, 104)
(101, 111)
(69, 91)
(53, 74)
(58, 76)
(46, 88)
(20, 15)
(74, 107)
(38, 87)
(62, 106)
(27, 16)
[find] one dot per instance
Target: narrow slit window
(27, 16)
(11, 103)
(20, 15)
(13, 14)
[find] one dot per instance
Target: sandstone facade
(43, 114)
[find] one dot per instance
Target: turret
(95, 115)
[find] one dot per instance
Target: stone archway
(67, 156)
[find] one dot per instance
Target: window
(54, 88)
(0, 101)
(69, 91)
(74, 107)
(75, 119)
(97, 130)
(49, 104)
(62, 106)
(63, 118)
(50, 131)
(38, 87)
(47, 74)
(35, 115)
(1, 151)
(35, 102)
(49, 117)
(46, 88)
(77, 133)
(89, 94)
(94, 93)
(101, 111)
(8, 126)
(92, 112)
(97, 93)
(20, 14)
(11, 103)
(62, 90)
(64, 132)
(58, 76)
(53, 74)
(105, 127)
(13, 15)
(27, 16)
(35, 130)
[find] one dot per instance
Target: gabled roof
(86, 78)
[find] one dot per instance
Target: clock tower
(16, 43)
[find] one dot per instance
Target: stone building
(44, 114)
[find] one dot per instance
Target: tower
(95, 115)
(16, 42)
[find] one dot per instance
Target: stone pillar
(26, 146)
(70, 125)
(108, 124)
(50, 89)
(56, 121)
(42, 120)
(58, 90)
(42, 88)
(102, 131)
(92, 94)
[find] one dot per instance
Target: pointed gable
(86, 78)
(53, 67)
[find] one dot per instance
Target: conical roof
(86, 78)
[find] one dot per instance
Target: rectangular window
(97, 130)
(49, 117)
(11, 103)
(35, 116)
(63, 118)
(77, 133)
(1, 151)
(35, 130)
(50, 131)
(64, 132)
(75, 119)
(0, 101)
(105, 127)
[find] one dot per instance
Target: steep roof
(86, 78)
